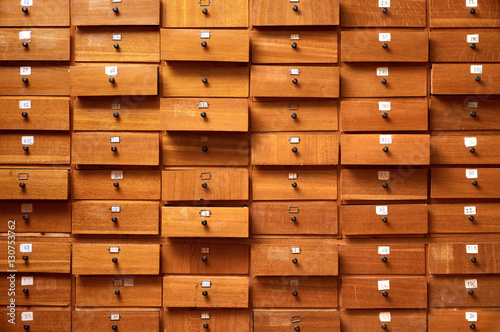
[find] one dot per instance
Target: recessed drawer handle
(470, 292)
(295, 8)
(473, 259)
(26, 148)
(295, 81)
(114, 260)
(477, 78)
(204, 293)
(25, 10)
(116, 45)
(472, 45)
(22, 185)
(385, 294)
(472, 11)
(385, 185)
(385, 45)
(383, 81)
(114, 148)
(203, 44)
(471, 218)
(474, 183)
(25, 257)
(112, 80)
(25, 80)
(385, 115)
(117, 291)
(294, 45)
(25, 44)
(384, 259)
(115, 9)
(384, 10)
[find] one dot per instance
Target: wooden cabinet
(369, 320)
(463, 79)
(467, 218)
(459, 14)
(34, 80)
(320, 12)
(38, 289)
(465, 149)
(102, 12)
(35, 148)
(199, 320)
(32, 255)
(39, 13)
(465, 183)
(34, 44)
(287, 320)
(31, 183)
(36, 217)
(473, 257)
(128, 320)
(466, 291)
(43, 319)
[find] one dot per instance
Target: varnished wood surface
(42, 13)
(39, 184)
(446, 292)
(287, 320)
(453, 183)
(451, 218)
(130, 321)
(100, 12)
(451, 149)
(45, 217)
(369, 320)
(454, 14)
(45, 319)
(319, 12)
(218, 320)
(456, 79)
(44, 80)
(450, 45)
(452, 258)
(47, 290)
(454, 320)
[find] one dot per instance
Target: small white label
(116, 175)
(471, 3)
(128, 282)
(206, 283)
(472, 248)
(294, 140)
(384, 175)
(26, 34)
(473, 38)
(114, 317)
(384, 3)
(295, 250)
(383, 37)
(26, 247)
(385, 139)
(473, 104)
(381, 210)
(294, 71)
(471, 173)
(384, 250)
(383, 285)
(116, 106)
(116, 209)
(384, 105)
(205, 213)
(115, 139)
(476, 69)
(26, 208)
(202, 104)
(295, 36)
(27, 3)
(27, 140)
(26, 280)
(292, 176)
(27, 316)
(114, 249)
(382, 71)
(25, 104)
(25, 71)
(471, 316)
(469, 210)
(205, 315)
(111, 70)
(205, 34)
(470, 283)
(470, 141)
(116, 36)
(384, 317)
(116, 1)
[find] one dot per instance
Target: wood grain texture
(222, 114)
(452, 258)
(455, 14)
(287, 218)
(47, 290)
(401, 219)
(313, 81)
(44, 218)
(311, 185)
(404, 46)
(45, 257)
(287, 320)
(40, 184)
(450, 218)
(364, 115)
(404, 293)
(452, 150)
(44, 80)
(44, 44)
(405, 183)
(47, 148)
(100, 12)
(44, 319)
(219, 320)
(186, 291)
(453, 183)
(452, 292)
(134, 291)
(95, 259)
(42, 13)
(222, 45)
(130, 321)
(95, 217)
(318, 46)
(403, 81)
(401, 13)
(456, 79)
(369, 320)
(449, 45)
(319, 12)
(454, 320)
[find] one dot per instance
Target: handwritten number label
(25, 34)
(27, 140)
(470, 283)
(384, 105)
(384, 317)
(116, 175)
(111, 70)
(384, 175)
(384, 37)
(381, 210)
(25, 104)
(25, 71)
(469, 210)
(26, 280)
(384, 3)
(473, 38)
(383, 285)
(382, 71)
(385, 139)
(26, 3)
(471, 316)
(26, 247)
(472, 248)
(471, 3)
(384, 250)
(471, 173)
(476, 69)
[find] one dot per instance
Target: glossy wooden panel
(455, 320)
(319, 12)
(43, 44)
(37, 184)
(41, 13)
(452, 46)
(100, 12)
(453, 183)
(452, 150)
(217, 319)
(34, 217)
(453, 218)
(457, 79)
(43, 80)
(45, 257)
(456, 14)
(44, 319)
(47, 148)
(46, 290)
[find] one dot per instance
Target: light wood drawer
(42, 80)
(453, 150)
(116, 259)
(36, 44)
(453, 183)
(40, 13)
(205, 45)
(397, 45)
(115, 217)
(117, 44)
(196, 183)
(118, 291)
(103, 184)
(456, 14)
(44, 319)
(102, 12)
(400, 184)
(466, 218)
(208, 292)
(303, 81)
(457, 79)
(455, 320)
(38, 289)
(287, 218)
(294, 185)
(319, 12)
(399, 13)
(285, 320)
(201, 320)
(401, 81)
(369, 320)
(294, 292)
(468, 291)
(129, 321)
(34, 184)
(204, 222)
(400, 219)
(37, 217)
(404, 293)
(459, 258)
(456, 46)
(213, 114)
(204, 257)
(292, 46)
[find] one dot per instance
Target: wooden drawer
(102, 12)
(456, 79)
(37, 217)
(396, 45)
(298, 258)
(452, 150)
(455, 46)
(365, 149)
(103, 184)
(400, 13)
(204, 14)
(34, 184)
(34, 148)
(373, 259)
(93, 80)
(311, 81)
(43, 319)
(205, 149)
(116, 113)
(204, 257)
(319, 12)
(118, 291)
(292, 46)
(117, 44)
(116, 259)
(294, 116)
(196, 183)
(42, 80)
(38, 289)
(309, 185)
(463, 113)
(115, 217)
(36, 44)
(464, 218)
(287, 218)
(39, 13)
(369, 320)
(221, 81)
(453, 183)
(402, 184)
(404, 293)
(464, 291)
(113, 148)
(204, 222)
(295, 149)
(457, 14)
(286, 320)
(455, 320)
(32, 255)
(401, 81)
(205, 45)
(209, 292)
(213, 114)
(129, 321)
(294, 292)
(196, 320)
(447, 258)
(395, 114)
(34, 113)
(400, 219)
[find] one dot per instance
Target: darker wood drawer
(469, 291)
(44, 319)
(466, 218)
(34, 217)
(453, 183)
(456, 320)
(369, 320)
(40, 13)
(129, 321)
(457, 14)
(102, 12)
(298, 320)
(464, 258)
(195, 320)
(38, 289)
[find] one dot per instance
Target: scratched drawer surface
(465, 319)
(38, 289)
(304, 319)
(465, 149)
(36, 217)
(467, 218)
(464, 291)
(464, 258)
(390, 320)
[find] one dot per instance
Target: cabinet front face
(35, 256)
(465, 149)
(460, 258)
(39, 289)
(463, 319)
(286, 320)
(393, 320)
(320, 12)
(399, 13)
(129, 321)
(34, 81)
(465, 79)
(199, 320)
(34, 184)
(467, 218)
(471, 45)
(37, 217)
(465, 183)
(40, 13)
(102, 12)
(44, 319)
(457, 14)
(467, 291)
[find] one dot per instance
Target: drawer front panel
(455, 14)
(455, 320)
(102, 12)
(46, 289)
(34, 184)
(458, 79)
(369, 320)
(41, 13)
(194, 320)
(130, 321)
(34, 256)
(466, 218)
(283, 320)
(453, 46)
(401, 13)
(319, 12)
(37, 217)
(454, 150)
(42, 80)
(453, 183)
(457, 258)
(467, 291)
(41, 44)
(44, 319)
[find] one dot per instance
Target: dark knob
(204, 185)
(384, 293)
(384, 45)
(26, 326)
(25, 80)
(114, 260)
(472, 45)
(24, 114)
(204, 11)
(112, 79)
(114, 148)
(296, 328)
(294, 149)
(294, 115)
(471, 218)
(294, 45)
(204, 149)
(384, 259)
(384, 219)
(295, 8)
(25, 43)
(473, 114)
(116, 114)
(26, 291)
(295, 81)
(114, 327)
(385, 115)
(115, 9)
(295, 261)
(472, 150)
(472, 11)
(204, 222)
(26, 148)
(26, 217)
(384, 10)
(295, 293)
(116, 184)
(294, 218)
(474, 183)
(25, 257)
(383, 326)
(204, 293)
(114, 219)
(117, 291)
(294, 184)
(204, 258)
(205, 325)
(383, 81)
(22, 184)
(204, 80)
(477, 78)
(385, 185)
(473, 259)
(470, 292)
(472, 326)
(116, 45)
(25, 9)
(385, 149)
(203, 114)
(204, 43)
